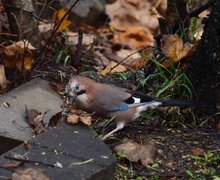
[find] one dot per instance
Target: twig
(77, 56)
(130, 56)
(59, 22)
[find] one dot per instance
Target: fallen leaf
(57, 16)
(13, 165)
(3, 80)
(134, 60)
(132, 12)
(137, 152)
(136, 37)
(35, 120)
(86, 120)
(75, 118)
(173, 47)
(25, 44)
(31, 114)
(198, 151)
(18, 54)
(30, 174)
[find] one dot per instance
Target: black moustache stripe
(81, 92)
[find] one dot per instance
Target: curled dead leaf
(137, 152)
(35, 120)
(75, 118)
(173, 47)
(18, 54)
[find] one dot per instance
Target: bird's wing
(111, 98)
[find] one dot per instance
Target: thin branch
(59, 22)
(77, 56)
(130, 56)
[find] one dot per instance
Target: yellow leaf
(18, 55)
(173, 47)
(59, 14)
(26, 62)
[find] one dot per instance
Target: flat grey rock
(35, 94)
(65, 152)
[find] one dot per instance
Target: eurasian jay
(113, 102)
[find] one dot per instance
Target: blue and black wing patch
(122, 107)
(138, 97)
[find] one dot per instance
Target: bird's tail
(176, 102)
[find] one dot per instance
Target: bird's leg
(119, 126)
(109, 121)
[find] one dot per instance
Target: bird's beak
(71, 99)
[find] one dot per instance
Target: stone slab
(36, 94)
(76, 148)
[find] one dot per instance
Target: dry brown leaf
(86, 120)
(134, 60)
(136, 37)
(73, 119)
(132, 12)
(137, 152)
(35, 120)
(3, 80)
(173, 47)
(59, 14)
(30, 174)
(76, 118)
(18, 54)
(198, 151)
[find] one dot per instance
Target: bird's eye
(77, 88)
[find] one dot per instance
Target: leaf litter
(135, 152)
(35, 119)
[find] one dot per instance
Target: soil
(175, 148)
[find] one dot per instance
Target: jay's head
(75, 88)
